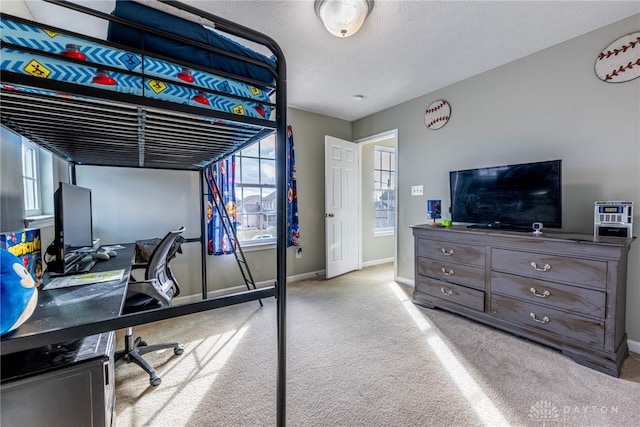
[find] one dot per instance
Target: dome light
(343, 18)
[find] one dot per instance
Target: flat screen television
(73, 225)
(510, 196)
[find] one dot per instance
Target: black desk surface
(59, 309)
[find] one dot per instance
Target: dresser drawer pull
(447, 292)
(545, 319)
(447, 252)
(545, 294)
(447, 273)
(546, 267)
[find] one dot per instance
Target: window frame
(377, 187)
(33, 180)
(261, 189)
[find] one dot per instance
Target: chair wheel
(178, 350)
(155, 381)
(142, 343)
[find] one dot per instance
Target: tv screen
(511, 196)
(73, 217)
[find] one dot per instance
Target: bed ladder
(232, 235)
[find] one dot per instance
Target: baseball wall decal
(620, 61)
(437, 114)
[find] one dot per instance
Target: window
(256, 192)
(384, 190)
(30, 179)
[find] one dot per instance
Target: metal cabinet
(68, 384)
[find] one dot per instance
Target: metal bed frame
(115, 129)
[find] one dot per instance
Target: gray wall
(549, 105)
(374, 248)
(11, 197)
(131, 204)
(16, 8)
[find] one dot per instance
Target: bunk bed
(171, 87)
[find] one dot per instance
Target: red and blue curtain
(223, 173)
(293, 228)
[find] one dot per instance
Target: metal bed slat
(70, 124)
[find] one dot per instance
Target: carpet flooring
(360, 353)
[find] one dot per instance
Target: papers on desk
(84, 279)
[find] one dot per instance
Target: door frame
(390, 134)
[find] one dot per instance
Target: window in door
(384, 189)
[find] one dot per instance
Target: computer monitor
(73, 224)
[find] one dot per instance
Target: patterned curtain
(223, 172)
(293, 228)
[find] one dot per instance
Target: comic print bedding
(40, 52)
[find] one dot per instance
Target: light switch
(417, 190)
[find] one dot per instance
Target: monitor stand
(505, 227)
(82, 264)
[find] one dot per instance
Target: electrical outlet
(417, 190)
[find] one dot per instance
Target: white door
(342, 206)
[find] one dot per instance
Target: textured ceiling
(407, 48)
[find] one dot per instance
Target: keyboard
(80, 264)
(72, 257)
(85, 265)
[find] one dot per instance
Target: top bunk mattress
(49, 54)
(201, 45)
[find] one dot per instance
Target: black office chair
(158, 289)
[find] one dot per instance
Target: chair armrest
(138, 265)
(176, 286)
(150, 288)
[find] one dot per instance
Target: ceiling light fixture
(343, 18)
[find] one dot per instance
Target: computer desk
(75, 312)
(68, 382)
(60, 310)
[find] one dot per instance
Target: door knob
(328, 215)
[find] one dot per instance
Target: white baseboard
(634, 346)
(211, 294)
(305, 276)
(406, 281)
(240, 288)
(377, 262)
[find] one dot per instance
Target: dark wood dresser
(564, 290)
